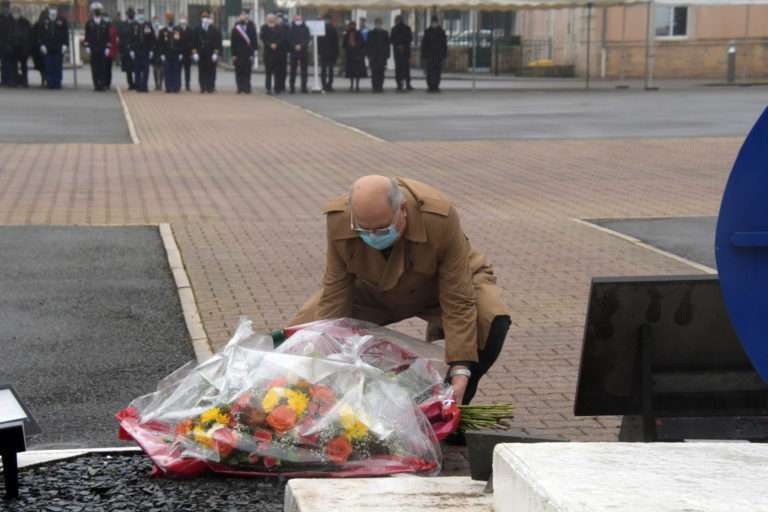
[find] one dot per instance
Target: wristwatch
(461, 371)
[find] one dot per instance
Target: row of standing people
(280, 41)
(46, 41)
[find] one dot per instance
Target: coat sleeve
(457, 293)
(336, 299)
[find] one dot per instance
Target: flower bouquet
(337, 398)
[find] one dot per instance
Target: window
(671, 21)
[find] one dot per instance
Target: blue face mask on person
(380, 241)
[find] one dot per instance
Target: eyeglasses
(374, 232)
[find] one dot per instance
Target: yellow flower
(297, 402)
(357, 431)
(214, 415)
(202, 436)
(271, 400)
(347, 417)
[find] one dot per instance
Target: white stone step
(630, 477)
(390, 494)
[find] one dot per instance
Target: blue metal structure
(741, 245)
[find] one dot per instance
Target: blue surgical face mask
(380, 242)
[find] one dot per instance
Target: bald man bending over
(396, 250)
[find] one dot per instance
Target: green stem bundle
(486, 417)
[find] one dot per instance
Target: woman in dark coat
(354, 47)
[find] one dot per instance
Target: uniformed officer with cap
(97, 45)
(54, 39)
(206, 49)
(141, 49)
(170, 47)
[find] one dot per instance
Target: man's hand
(298, 47)
(459, 384)
(273, 46)
(234, 58)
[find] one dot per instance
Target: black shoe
(304, 91)
(456, 438)
(409, 88)
(330, 89)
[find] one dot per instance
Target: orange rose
(183, 428)
(278, 383)
(282, 419)
(338, 450)
(224, 441)
(324, 398)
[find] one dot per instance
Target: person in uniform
(298, 41)
(244, 51)
(354, 48)
(17, 46)
(328, 52)
(401, 38)
(141, 50)
(124, 32)
(37, 58)
(169, 46)
(98, 43)
(206, 48)
(434, 49)
(274, 40)
(377, 49)
(396, 250)
(186, 49)
(5, 58)
(54, 40)
(158, 70)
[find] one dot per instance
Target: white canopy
(483, 5)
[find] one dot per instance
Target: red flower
(269, 461)
(262, 436)
(254, 416)
(183, 428)
(338, 450)
(307, 426)
(278, 383)
(282, 419)
(324, 398)
(224, 441)
(253, 457)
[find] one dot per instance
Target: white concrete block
(630, 477)
(396, 494)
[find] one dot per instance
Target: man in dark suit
(206, 49)
(124, 31)
(274, 40)
(298, 40)
(377, 49)
(434, 49)
(401, 38)
(244, 51)
(97, 45)
(18, 39)
(328, 52)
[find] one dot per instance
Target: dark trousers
(108, 72)
(172, 68)
(326, 73)
(98, 69)
(141, 72)
(18, 68)
(206, 74)
(53, 62)
(270, 71)
(377, 76)
(280, 74)
(299, 58)
(243, 74)
(127, 65)
(402, 70)
(186, 64)
(5, 68)
(487, 356)
(434, 68)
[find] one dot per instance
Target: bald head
(374, 200)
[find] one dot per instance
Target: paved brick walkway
(242, 180)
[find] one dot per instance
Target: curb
(197, 334)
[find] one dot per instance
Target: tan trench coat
(433, 272)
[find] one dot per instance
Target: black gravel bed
(123, 482)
